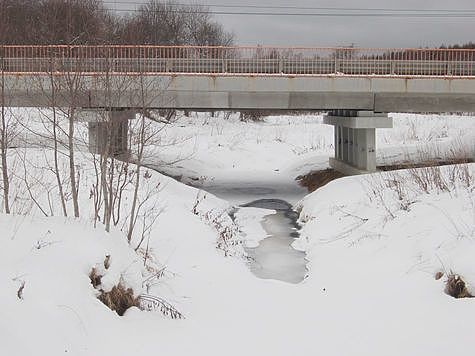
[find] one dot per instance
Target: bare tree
(17, 18)
(145, 135)
(72, 22)
(3, 138)
(173, 23)
(69, 89)
(51, 122)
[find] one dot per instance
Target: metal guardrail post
(2, 58)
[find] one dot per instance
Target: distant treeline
(469, 45)
(89, 22)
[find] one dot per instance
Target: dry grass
(95, 278)
(316, 179)
(422, 164)
(455, 286)
(252, 116)
(119, 299)
(154, 303)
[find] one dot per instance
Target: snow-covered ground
(239, 161)
(370, 288)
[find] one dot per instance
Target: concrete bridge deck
(221, 78)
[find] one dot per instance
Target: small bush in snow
(119, 299)
(455, 287)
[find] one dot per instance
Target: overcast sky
(343, 31)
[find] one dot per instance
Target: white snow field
(373, 245)
(241, 160)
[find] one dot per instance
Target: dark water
(275, 258)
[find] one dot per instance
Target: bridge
(358, 87)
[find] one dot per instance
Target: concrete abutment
(355, 139)
(108, 130)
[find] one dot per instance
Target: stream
(274, 257)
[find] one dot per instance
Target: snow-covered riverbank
(370, 288)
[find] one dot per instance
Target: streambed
(274, 257)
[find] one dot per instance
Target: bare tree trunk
(141, 142)
(109, 197)
(55, 143)
(72, 167)
(106, 152)
(73, 79)
(96, 191)
(137, 180)
(4, 144)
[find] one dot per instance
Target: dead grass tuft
(424, 163)
(455, 286)
(154, 303)
(95, 278)
(119, 299)
(316, 179)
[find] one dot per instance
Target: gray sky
(342, 31)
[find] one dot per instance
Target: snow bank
(250, 222)
(371, 256)
(57, 308)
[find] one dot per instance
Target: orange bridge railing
(199, 60)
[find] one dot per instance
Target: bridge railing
(237, 60)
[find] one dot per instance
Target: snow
(53, 257)
(250, 221)
(370, 288)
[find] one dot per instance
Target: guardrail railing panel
(237, 60)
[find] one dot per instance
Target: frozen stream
(274, 257)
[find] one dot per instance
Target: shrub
(119, 299)
(252, 115)
(317, 179)
(455, 286)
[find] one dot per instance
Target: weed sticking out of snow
(317, 179)
(95, 277)
(154, 303)
(119, 299)
(228, 239)
(455, 287)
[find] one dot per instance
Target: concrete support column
(356, 147)
(345, 139)
(340, 142)
(336, 139)
(351, 146)
(108, 130)
(355, 139)
(366, 153)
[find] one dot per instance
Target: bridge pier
(355, 139)
(107, 130)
